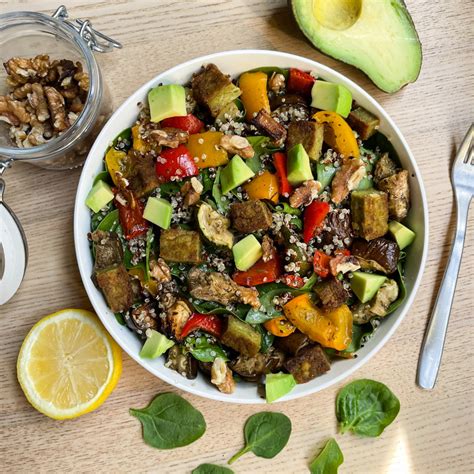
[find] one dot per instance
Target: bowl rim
(214, 394)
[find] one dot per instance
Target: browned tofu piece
(384, 168)
(179, 245)
(142, 179)
(250, 216)
(108, 249)
(369, 213)
(116, 287)
(310, 362)
(398, 190)
(309, 133)
(269, 127)
(363, 122)
(214, 89)
(331, 293)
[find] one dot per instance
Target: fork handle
(432, 350)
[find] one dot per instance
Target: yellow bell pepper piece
(330, 328)
(279, 326)
(205, 146)
(151, 285)
(115, 161)
(138, 143)
(254, 93)
(263, 186)
(338, 134)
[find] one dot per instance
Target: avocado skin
(403, 10)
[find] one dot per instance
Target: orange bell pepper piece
(254, 93)
(263, 186)
(138, 143)
(338, 134)
(280, 327)
(151, 285)
(205, 147)
(116, 164)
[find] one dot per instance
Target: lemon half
(68, 365)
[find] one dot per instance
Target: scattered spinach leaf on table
(170, 421)
(366, 407)
(328, 460)
(211, 469)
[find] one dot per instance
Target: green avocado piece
(325, 173)
(365, 285)
(377, 36)
(402, 234)
(299, 167)
(167, 101)
(99, 196)
(246, 252)
(278, 385)
(158, 211)
(234, 174)
(333, 97)
(155, 345)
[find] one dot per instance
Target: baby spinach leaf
(401, 287)
(123, 141)
(210, 307)
(102, 176)
(366, 407)
(110, 222)
(267, 338)
(310, 283)
(203, 350)
(381, 144)
(287, 209)
(170, 421)
(150, 238)
(328, 460)
(170, 189)
(222, 205)
(259, 147)
(206, 180)
(211, 469)
(120, 319)
(266, 434)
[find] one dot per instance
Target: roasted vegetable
(240, 336)
(254, 93)
(263, 186)
(279, 161)
(321, 263)
(176, 318)
(280, 327)
(309, 133)
(268, 126)
(117, 165)
(108, 249)
(183, 362)
(175, 163)
(300, 82)
(138, 143)
(384, 168)
(293, 343)
(115, 284)
(205, 147)
(214, 226)
(130, 214)
(310, 362)
(179, 245)
(252, 368)
(369, 213)
(331, 292)
(188, 123)
(294, 251)
(363, 122)
(398, 190)
(337, 228)
(378, 254)
(208, 323)
(261, 272)
(250, 216)
(314, 216)
(142, 318)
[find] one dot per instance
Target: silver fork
(462, 178)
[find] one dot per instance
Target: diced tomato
(321, 263)
(175, 163)
(300, 82)
(279, 161)
(314, 216)
(261, 272)
(209, 323)
(189, 123)
(294, 281)
(131, 216)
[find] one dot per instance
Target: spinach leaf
(381, 144)
(259, 147)
(206, 180)
(287, 209)
(150, 238)
(267, 338)
(400, 278)
(222, 204)
(366, 407)
(119, 318)
(266, 434)
(310, 283)
(170, 421)
(360, 334)
(123, 141)
(170, 189)
(328, 460)
(211, 469)
(203, 350)
(110, 222)
(102, 176)
(210, 307)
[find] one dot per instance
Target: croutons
(250, 216)
(369, 213)
(363, 122)
(179, 245)
(240, 336)
(143, 179)
(347, 178)
(115, 285)
(398, 190)
(310, 362)
(269, 126)
(309, 133)
(214, 89)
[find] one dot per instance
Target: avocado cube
(234, 174)
(402, 234)
(214, 89)
(241, 336)
(299, 168)
(366, 285)
(363, 122)
(167, 101)
(369, 213)
(155, 345)
(181, 246)
(309, 133)
(247, 252)
(99, 196)
(158, 211)
(115, 285)
(332, 97)
(278, 385)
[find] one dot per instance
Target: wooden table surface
(434, 430)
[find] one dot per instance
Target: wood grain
(434, 431)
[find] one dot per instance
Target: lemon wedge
(68, 364)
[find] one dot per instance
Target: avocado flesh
(376, 36)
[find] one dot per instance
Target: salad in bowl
(250, 228)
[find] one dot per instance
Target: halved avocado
(376, 36)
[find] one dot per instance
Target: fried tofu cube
(250, 216)
(310, 134)
(214, 89)
(116, 286)
(143, 179)
(181, 246)
(369, 210)
(363, 122)
(310, 362)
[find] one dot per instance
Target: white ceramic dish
(235, 62)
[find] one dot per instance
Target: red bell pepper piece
(345, 252)
(131, 216)
(321, 264)
(175, 163)
(261, 272)
(279, 161)
(189, 123)
(209, 323)
(293, 281)
(314, 216)
(300, 82)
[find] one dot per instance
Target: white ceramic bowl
(235, 62)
